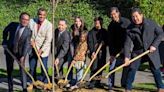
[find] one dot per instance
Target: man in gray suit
(16, 37)
(62, 43)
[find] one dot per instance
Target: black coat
(150, 34)
(9, 34)
(95, 37)
(117, 35)
(62, 44)
(24, 43)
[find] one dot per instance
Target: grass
(145, 86)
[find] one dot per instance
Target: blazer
(24, 43)
(62, 44)
(9, 34)
(149, 35)
(43, 37)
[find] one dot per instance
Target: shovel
(31, 77)
(45, 86)
(87, 70)
(64, 82)
(102, 68)
(123, 65)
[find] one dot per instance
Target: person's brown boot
(160, 90)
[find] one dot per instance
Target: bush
(88, 9)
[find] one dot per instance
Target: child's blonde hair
(85, 34)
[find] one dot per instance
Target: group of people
(127, 37)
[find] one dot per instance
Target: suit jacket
(62, 44)
(149, 35)
(117, 35)
(9, 34)
(24, 43)
(43, 37)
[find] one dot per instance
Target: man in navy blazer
(16, 37)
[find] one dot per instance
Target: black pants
(9, 63)
(161, 52)
(97, 64)
(119, 61)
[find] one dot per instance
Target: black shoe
(91, 86)
(99, 85)
(24, 90)
(10, 90)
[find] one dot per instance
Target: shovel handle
(14, 57)
(99, 71)
(40, 60)
(132, 60)
(102, 68)
(91, 62)
(70, 67)
(57, 70)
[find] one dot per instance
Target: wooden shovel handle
(57, 70)
(40, 60)
(102, 68)
(70, 67)
(14, 57)
(132, 60)
(91, 62)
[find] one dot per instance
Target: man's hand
(32, 42)
(152, 49)
(93, 55)
(40, 52)
(126, 61)
(56, 61)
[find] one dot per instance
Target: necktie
(16, 39)
(59, 35)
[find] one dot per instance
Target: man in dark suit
(62, 44)
(117, 34)
(144, 34)
(16, 37)
(95, 37)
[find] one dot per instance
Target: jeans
(33, 65)
(79, 72)
(111, 78)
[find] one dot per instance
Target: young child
(79, 58)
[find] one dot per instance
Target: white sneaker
(74, 87)
(68, 85)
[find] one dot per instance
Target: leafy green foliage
(87, 9)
